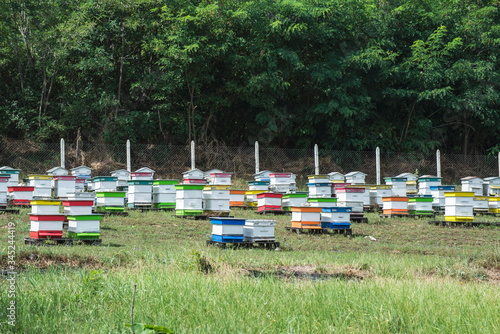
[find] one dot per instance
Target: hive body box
(336, 218)
(377, 192)
(350, 197)
(319, 186)
(193, 174)
(322, 202)
(82, 172)
(220, 179)
(84, 226)
(256, 230)
(216, 198)
(57, 171)
(113, 201)
(227, 229)
(437, 193)
(189, 199)
(42, 185)
(236, 198)
(494, 204)
(296, 199)
(105, 183)
(141, 176)
(64, 185)
(79, 185)
(251, 197)
(398, 185)
(420, 205)
(263, 176)
(474, 184)
(426, 182)
(45, 226)
(306, 217)
(411, 183)
(459, 206)
(258, 185)
(282, 182)
(13, 175)
(491, 186)
(122, 175)
(338, 185)
(336, 177)
(395, 205)
(480, 204)
(75, 207)
(355, 178)
(365, 194)
(269, 202)
(45, 207)
(20, 195)
(164, 193)
(139, 193)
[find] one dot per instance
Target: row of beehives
(47, 219)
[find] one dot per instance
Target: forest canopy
(411, 75)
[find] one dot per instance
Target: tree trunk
(42, 98)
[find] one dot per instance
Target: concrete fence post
(438, 163)
(257, 168)
(129, 161)
(192, 155)
(377, 164)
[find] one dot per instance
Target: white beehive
(77, 206)
(141, 176)
(4, 181)
(282, 182)
(263, 176)
(365, 195)
(295, 199)
(459, 206)
(45, 206)
(189, 199)
(13, 175)
(395, 205)
(474, 184)
(355, 178)
(206, 175)
(220, 179)
(193, 174)
(122, 175)
(140, 193)
(216, 197)
(46, 225)
(398, 185)
(336, 215)
(83, 172)
(258, 185)
(42, 184)
(164, 193)
(64, 185)
(336, 177)
(426, 182)
(105, 183)
(256, 230)
(437, 193)
(57, 171)
(491, 185)
(480, 204)
(377, 192)
(227, 229)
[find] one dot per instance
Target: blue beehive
(336, 218)
(227, 229)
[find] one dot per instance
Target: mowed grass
(415, 278)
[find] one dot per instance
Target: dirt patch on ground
(39, 260)
(313, 273)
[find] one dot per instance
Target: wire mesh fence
(169, 161)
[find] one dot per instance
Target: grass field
(415, 278)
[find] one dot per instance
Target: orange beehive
(395, 205)
(306, 217)
(237, 197)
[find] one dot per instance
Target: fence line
(169, 161)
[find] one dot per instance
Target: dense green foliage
(347, 74)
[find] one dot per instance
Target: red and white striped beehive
(269, 202)
(46, 226)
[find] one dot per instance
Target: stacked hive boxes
(227, 229)
(306, 217)
(377, 192)
(42, 185)
(110, 201)
(269, 202)
(437, 193)
(365, 195)
(236, 198)
(411, 183)
(20, 195)
(474, 184)
(255, 187)
(208, 174)
(295, 199)
(336, 218)
(82, 172)
(494, 205)
(63, 185)
(491, 186)
(282, 182)
(480, 204)
(139, 193)
(13, 175)
(46, 221)
(189, 199)
(122, 175)
(355, 178)
(398, 185)
(426, 182)
(395, 205)
(258, 230)
(82, 224)
(164, 194)
(4, 181)
(105, 183)
(420, 205)
(351, 197)
(319, 186)
(459, 206)
(216, 196)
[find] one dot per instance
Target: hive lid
(189, 186)
(165, 182)
(85, 217)
(459, 194)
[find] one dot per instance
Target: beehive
(164, 193)
(338, 185)
(193, 174)
(216, 198)
(411, 182)
(82, 172)
(494, 204)
(295, 199)
(420, 205)
(45, 207)
(79, 185)
(322, 178)
(258, 185)
(141, 176)
(282, 182)
(480, 204)
(46, 226)
(20, 195)
(13, 175)
(491, 186)
(269, 202)
(459, 206)
(437, 193)
(146, 170)
(42, 185)
(57, 171)
(474, 184)
(84, 226)
(317, 190)
(306, 217)
(4, 181)
(122, 175)
(377, 192)
(365, 195)
(346, 194)
(105, 183)
(74, 207)
(256, 230)
(336, 217)
(227, 229)
(355, 178)
(140, 193)
(398, 185)
(64, 185)
(322, 202)
(395, 205)
(110, 201)
(336, 177)
(220, 179)
(263, 176)
(426, 182)
(236, 198)
(251, 197)
(188, 199)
